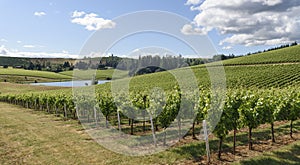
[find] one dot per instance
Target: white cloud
(193, 2)
(78, 14)
(227, 47)
(29, 46)
(91, 21)
(249, 22)
(65, 52)
(135, 50)
(195, 8)
(3, 50)
(19, 42)
(3, 40)
(15, 53)
(33, 46)
(269, 2)
(189, 29)
(39, 14)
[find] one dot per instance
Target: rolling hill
(285, 55)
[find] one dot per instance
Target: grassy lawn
(100, 74)
(6, 88)
(33, 137)
(288, 155)
(11, 72)
(29, 137)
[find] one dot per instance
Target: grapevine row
(242, 108)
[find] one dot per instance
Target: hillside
(285, 55)
(22, 75)
(273, 69)
(248, 71)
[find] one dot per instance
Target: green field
(12, 88)
(261, 76)
(32, 137)
(100, 74)
(22, 75)
(287, 155)
(285, 55)
(260, 93)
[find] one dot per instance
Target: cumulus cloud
(189, 29)
(15, 53)
(39, 14)
(227, 47)
(249, 22)
(33, 46)
(3, 40)
(28, 46)
(3, 50)
(193, 2)
(91, 21)
(78, 14)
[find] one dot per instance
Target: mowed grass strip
(30, 137)
(100, 74)
(288, 155)
(6, 88)
(32, 73)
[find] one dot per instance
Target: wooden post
(206, 141)
(119, 120)
(65, 109)
(153, 131)
(95, 116)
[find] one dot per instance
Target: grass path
(32, 137)
(29, 137)
(288, 155)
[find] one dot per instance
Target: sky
(62, 28)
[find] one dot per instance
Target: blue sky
(59, 28)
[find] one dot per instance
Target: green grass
(261, 76)
(288, 155)
(100, 74)
(28, 137)
(33, 73)
(32, 137)
(11, 88)
(285, 55)
(236, 77)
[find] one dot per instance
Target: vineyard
(256, 95)
(285, 55)
(271, 76)
(242, 108)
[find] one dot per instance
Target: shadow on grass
(288, 157)
(196, 150)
